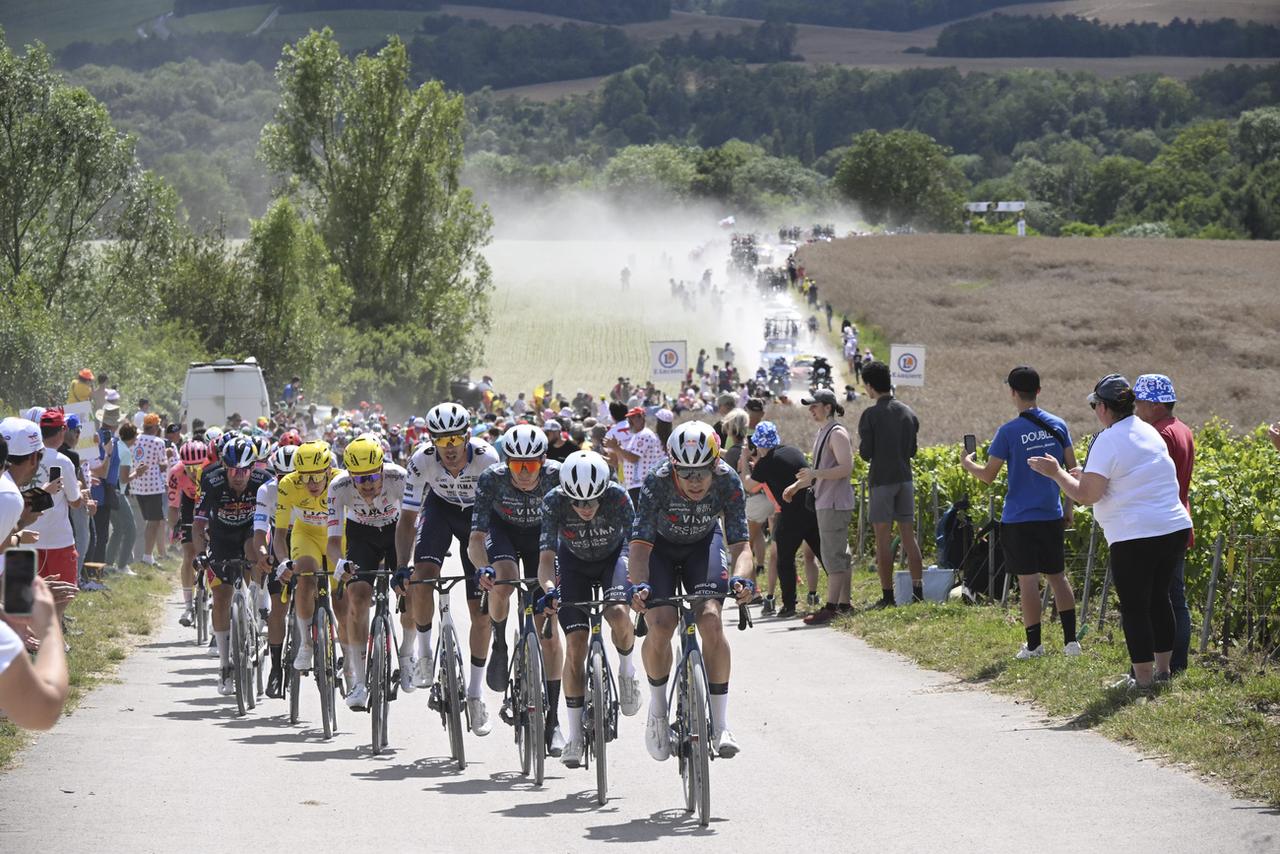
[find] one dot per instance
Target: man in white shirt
(56, 548)
(147, 484)
(21, 459)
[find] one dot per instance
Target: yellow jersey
(295, 506)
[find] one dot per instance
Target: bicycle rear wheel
(600, 724)
(324, 673)
(697, 732)
(202, 614)
(292, 679)
(379, 676)
(237, 656)
(453, 694)
(535, 735)
(249, 655)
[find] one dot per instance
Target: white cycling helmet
(446, 418)
(524, 442)
(693, 443)
(584, 475)
(282, 459)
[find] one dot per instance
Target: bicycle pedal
(507, 714)
(433, 698)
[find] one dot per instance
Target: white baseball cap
(22, 436)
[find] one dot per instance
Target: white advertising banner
(668, 360)
(906, 364)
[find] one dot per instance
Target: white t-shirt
(149, 449)
(11, 504)
(11, 646)
(54, 524)
(1141, 499)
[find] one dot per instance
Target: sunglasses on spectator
(699, 473)
(448, 441)
(526, 466)
(318, 477)
(374, 477)
(584, 503)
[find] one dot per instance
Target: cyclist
(364, 504)
(438, 499)
(586, 521)
(677, 536)
(184, 490)
(505, 528)
(223, 524)
(280, 464)
(300, 536)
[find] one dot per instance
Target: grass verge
(105, 626)
(1221, 718)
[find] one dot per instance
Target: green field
(241, 20)
(353, 29)
(59, 22)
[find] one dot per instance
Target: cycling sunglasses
(448, 441)
(525, 466)
(584, 503)
(375, 477)
(698, 473)
(318, 477)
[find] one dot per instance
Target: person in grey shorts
(887, 439)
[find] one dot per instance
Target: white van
(215, 390)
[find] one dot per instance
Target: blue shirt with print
(1032, 497)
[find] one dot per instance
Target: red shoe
(820, 617)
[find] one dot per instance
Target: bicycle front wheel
(292, 680)
(379, 684)
(324, 670)
(600, 724)
(249, 654)
(697, 732)
(238, 664)
(202, 615)
(535, 708)
(453, 694)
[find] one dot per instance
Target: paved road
(845, 748)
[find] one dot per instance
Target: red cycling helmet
(291, 437)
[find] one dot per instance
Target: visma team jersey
(224, 509)
(346, 503)
(296, 506)
(664, 512)
(588, 541)
(498, 496)
(427, 474)
(265, 510)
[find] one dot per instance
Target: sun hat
(1154, 388)
(109, 416)
(665, 415)
(85, 374)
(766, 436)
(22, 436)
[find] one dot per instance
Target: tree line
(1069, 35)
(598, 11)
(867, 14)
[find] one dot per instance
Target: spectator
(640, 451)
(557, 446)
(760, 505)
(1273, 433)
(150, 465)
(56, 548)
(98, 397)
(121, 550)
(32, 692)
(1132, 483)
(106, 492)
(292, 389)
(828, 479)
(1034, 521)
(663, 422)
(829, 311)
(81, 387)
(22, 447)
(1154, 404)
(519, 407)
(777, 467)
(887, 439)
(144, 407)
(755, 411)
(80, 516)
(725, 403)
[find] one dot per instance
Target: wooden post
(1213, 592)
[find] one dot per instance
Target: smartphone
(55, 473)
(16, 582)
(970, 443)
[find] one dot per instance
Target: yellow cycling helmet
(362, 456)
(312, 457)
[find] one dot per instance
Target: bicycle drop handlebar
(524, 584)
(744, 613)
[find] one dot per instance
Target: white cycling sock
(304, 630)
(476, 683)
(424, 643)
(355, 655)
(187, 595)
(224, 647)
(408, 643)
(626, 663)
(658, 699)
(574, 722)
(720, 711)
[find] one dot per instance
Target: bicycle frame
(531, 709)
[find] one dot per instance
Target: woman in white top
(1130, 480)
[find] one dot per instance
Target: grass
(240, 20)
(59, 22)
(104, 627)
(1221, 718)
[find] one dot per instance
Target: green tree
(902, 177)
(377, 163)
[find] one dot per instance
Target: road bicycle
(448, 694)
(692, 728)
(325, 664)
(200, 607)
(600, 706)
(247, 651)
(524, 705)
(381, 677)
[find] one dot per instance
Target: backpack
(954, 535)
(975, 568)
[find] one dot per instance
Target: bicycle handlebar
(642, 628)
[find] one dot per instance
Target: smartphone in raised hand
(970, 444)
(55, 473)
(17, 582)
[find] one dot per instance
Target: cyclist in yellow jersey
(302, 502)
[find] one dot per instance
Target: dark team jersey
(663, 512)
(498, 496)
(229, 514)
(588, 541)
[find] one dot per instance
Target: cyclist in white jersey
(364, 505)
(441, 487)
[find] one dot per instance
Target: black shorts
(701, 567)
(1033, 547)
(186, 512)
(579, 579)
(152, 507)
(229, 544)
(439, 524)
(518, 545)
(369, 547)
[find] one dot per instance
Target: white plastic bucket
(936, 582)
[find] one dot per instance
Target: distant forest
(868, 14)
(597, 11)
(1024, 35)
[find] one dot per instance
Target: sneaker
(657, 736)
(358, 698)
(275, 683)
(496, 674)
(725, 744)
(407, 666)
(820, 617)
(1072, 650)
(226, 685)
(881, 605)
(555, 741)
(769, 608)
(1124, 683)
(421, 673)
(188, 615)
(1024, 653)
(629, 694)
(572, 755)
(302, 661)
(786, 612)
(479, 715)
